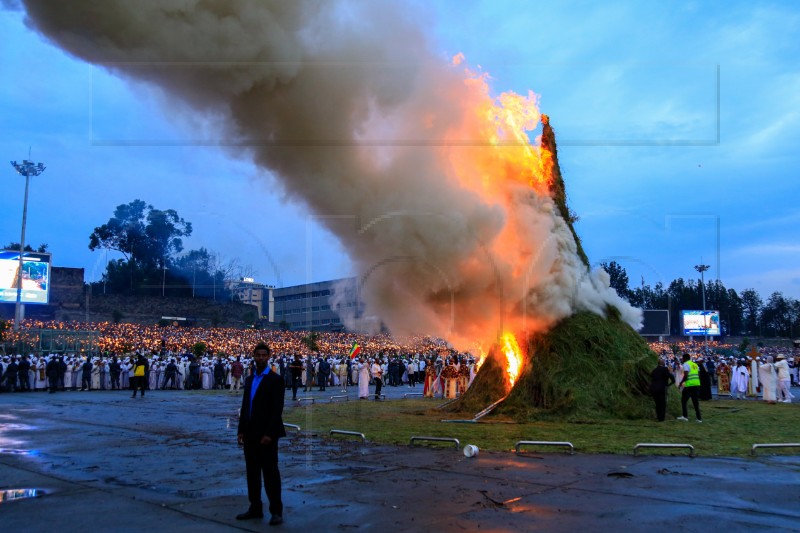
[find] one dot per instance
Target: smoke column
(348, 105)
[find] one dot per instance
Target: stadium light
(702, 268)
(26, 168)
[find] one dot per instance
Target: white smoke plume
(355, 113)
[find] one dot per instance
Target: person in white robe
(769, 380)
(68, 374)
(784, 379)
(739, 380)
(95, 374)
(40, 382)
(125, 375)
(363, 379)
(205, 376)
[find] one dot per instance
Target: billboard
(701, 323)
(655, 323)
(35, 277)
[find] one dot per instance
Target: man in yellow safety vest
(690, 387)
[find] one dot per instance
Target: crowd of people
(171, 364)
(106, 359)
(765, 371)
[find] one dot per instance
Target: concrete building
(319, 306)
(252, 293)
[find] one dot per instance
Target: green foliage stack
(585, 368)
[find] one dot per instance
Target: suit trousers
(262, 460)
(660, 397)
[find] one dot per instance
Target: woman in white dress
(363, 379)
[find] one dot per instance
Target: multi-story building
(252, 293)
(319, 306)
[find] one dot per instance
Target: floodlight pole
(26, 168)
(702, 268)
(164, 277)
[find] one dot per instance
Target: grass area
(729, 427)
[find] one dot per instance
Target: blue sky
(677, 123)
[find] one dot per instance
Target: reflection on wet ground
(16, 451)
(19, 494)
(178, 451)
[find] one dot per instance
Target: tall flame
(513, 355)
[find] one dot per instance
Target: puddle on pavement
(15, 451)
(200, 494)
(20, 494)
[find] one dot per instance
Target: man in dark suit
(260, 427)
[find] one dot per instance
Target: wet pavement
(102, 461)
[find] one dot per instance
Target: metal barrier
(774, 445)
(406, 395)
(312, 400)
(436, 439)
(657, 445)
(521, 443)
(291, 426)
(343, 432)
(345, 396)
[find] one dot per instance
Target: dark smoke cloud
(346, 103)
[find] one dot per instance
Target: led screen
(35, 277)
(701, 323)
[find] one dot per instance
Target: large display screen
(701, 323)
(35, 277)
(655, 322)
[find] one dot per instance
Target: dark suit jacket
(266, 418)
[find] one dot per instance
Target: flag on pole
(354, 351)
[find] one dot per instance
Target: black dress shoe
(276, 520)
(249, 515)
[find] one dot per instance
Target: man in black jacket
(86, 375)
(115, 369)
(10, 377)
(23, 373)
(219, 374)
(660, 381)
(260, 427)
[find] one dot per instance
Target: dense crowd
(109, 362)
(105, 358)
(766, 371)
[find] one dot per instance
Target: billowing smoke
(348, 105)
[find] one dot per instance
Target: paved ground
(169, 463)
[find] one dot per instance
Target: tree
(619, 279)
(199, 349)
(148, 238)
(41, 249)
(776, 316)
(752, 306)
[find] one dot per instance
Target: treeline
(154, 261)
(745, 313)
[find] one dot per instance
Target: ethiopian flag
(355, 350)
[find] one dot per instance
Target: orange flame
(481, 358)
(513, 357)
